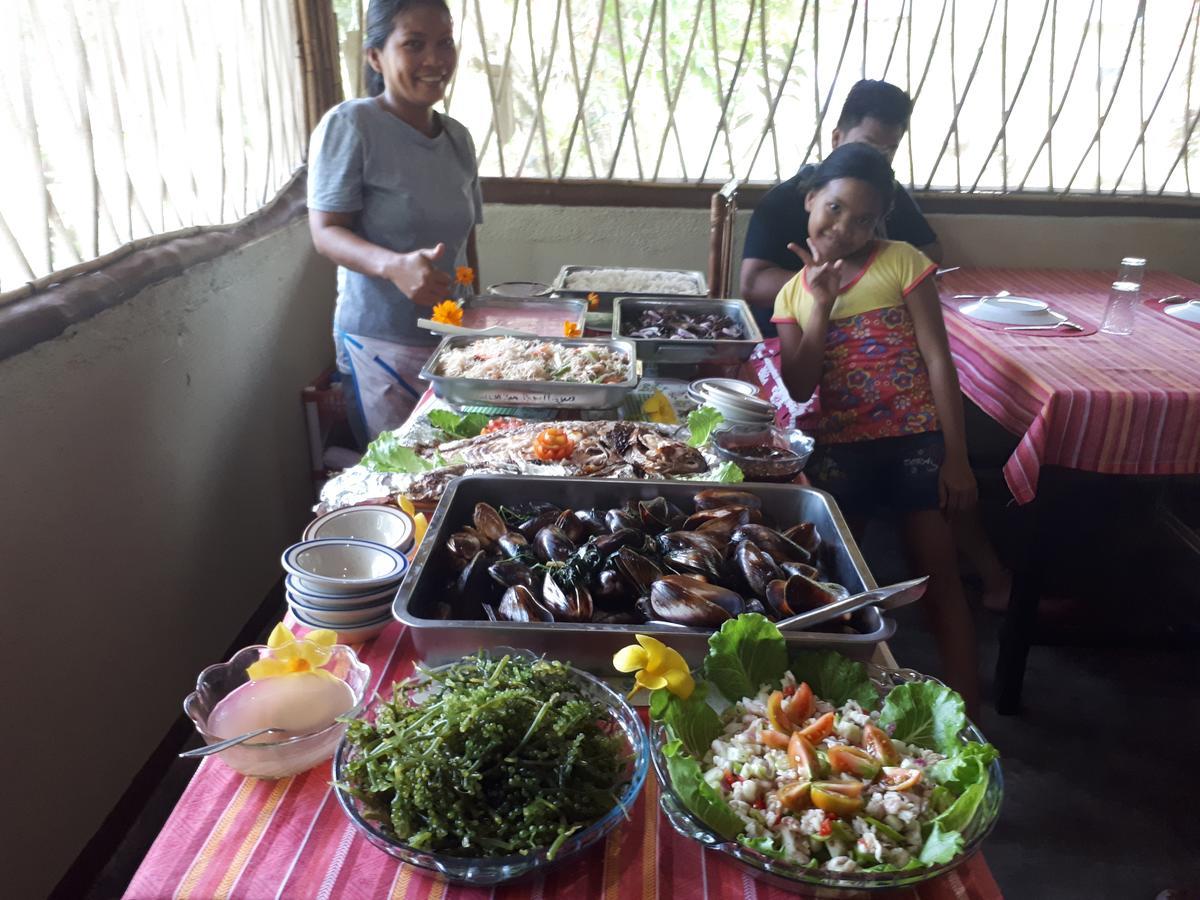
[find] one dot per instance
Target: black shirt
(780, 219)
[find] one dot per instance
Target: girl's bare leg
(973, 541)
(929, 544)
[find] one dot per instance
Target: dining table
(235, 836)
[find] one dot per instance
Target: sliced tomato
(802, 703)
(820, 729)
(804, 756)
(838, 798)
(854, 761)
(780, 720)
(896, 779)
(876, 742)
(794, 796)
(773, 739)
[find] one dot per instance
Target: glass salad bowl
(493, 870)
(816, 882)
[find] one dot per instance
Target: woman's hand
(824, 278)
(418, 277)
(957, 490)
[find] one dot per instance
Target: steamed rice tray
(634, 281)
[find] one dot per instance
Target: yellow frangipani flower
(448, 313)
(290, 655)
(656, 666)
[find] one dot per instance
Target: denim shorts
(898, 473)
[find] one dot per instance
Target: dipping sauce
(300, 704)
(764, 462)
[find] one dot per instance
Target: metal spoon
(895, 595)
(209, 749)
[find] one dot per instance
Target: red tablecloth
(1127, 405)
(231, 836)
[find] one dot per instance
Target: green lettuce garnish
(701, 423)
(745, 654)
(940, 846)
(764, 845)
(698, 795)
(387, 454)
(455, 426)
(691, 721)
(925, 713)
(968, 766)
(835, 678)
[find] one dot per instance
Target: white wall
(154, 466)
(532, 242)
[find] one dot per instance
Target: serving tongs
(891, 596)
(490, 331)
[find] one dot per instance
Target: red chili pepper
(729, 780)
(760, 803)
(826, 826)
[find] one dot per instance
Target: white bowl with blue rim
(347, 634)
(378, 524)
(344, 565)
(348, 616)
(326, 600)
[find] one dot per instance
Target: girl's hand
(824, 278)
(957, 490)
(418, 277)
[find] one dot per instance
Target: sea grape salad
(809, 766)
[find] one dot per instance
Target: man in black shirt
(875, 113)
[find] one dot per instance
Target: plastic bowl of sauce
(764, 452)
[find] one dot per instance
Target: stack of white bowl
(343, 575)
(738, 401)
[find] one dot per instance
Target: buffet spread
(559, 536)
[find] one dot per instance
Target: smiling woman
(393, 197)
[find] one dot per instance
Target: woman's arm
(413, 273)
(958, 489)
(473, 258)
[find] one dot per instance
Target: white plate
(1189, 312)
(320, 600)
(1010, 311)
(343, 565)
(379, 524)
(353, 635)
(341, 618)
(744, 388)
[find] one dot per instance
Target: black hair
(861, 161)
(381, 21)
(875, 100)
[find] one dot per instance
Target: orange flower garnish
(464, 275)
(571, 330)
(552, 445)
(593, 300)
(448, 313)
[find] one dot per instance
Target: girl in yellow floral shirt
(862, 322)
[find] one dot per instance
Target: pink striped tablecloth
(232, 836)
(1124, 405)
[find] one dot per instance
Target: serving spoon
(209, 749)
(896, 595)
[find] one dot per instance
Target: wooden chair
(722, 213)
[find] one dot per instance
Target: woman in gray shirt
(393, 198)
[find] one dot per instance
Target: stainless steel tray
(555, 394)
(678, 351)
(560, 289)
(562, 309)
(591, 645)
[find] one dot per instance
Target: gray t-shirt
(410, 191)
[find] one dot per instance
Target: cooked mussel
(572, 526)
(756, 567)
(593, 521)
(462, 546)
(733, 516)
(489, 524)
(716, 497)
(772, 543)
(513, 545)
(692, 550)
(530, 526)
(616, 519)
(659, 515)
(805, 535)
(551, 545)
(611, 589)
(571, 603)
(608, 544)
(795, 568)
(796, 595)
(519, 604)
(473, 587)
(511, 572)
(640, 570)
(689, 601)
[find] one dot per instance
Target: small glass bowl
(274, 759)
(488, 871)
(815, 882)
(744, 445)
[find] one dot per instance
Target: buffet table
(233, 836)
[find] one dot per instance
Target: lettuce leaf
(745, 654)
(726, 473)
(387, 454)
(764, 845)
(968, 766)
(701, 423)
(691, 721)
(926, 714)
(835, 678)
(962, 810)
(456, 426)
(707, 804)
(940, 846)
